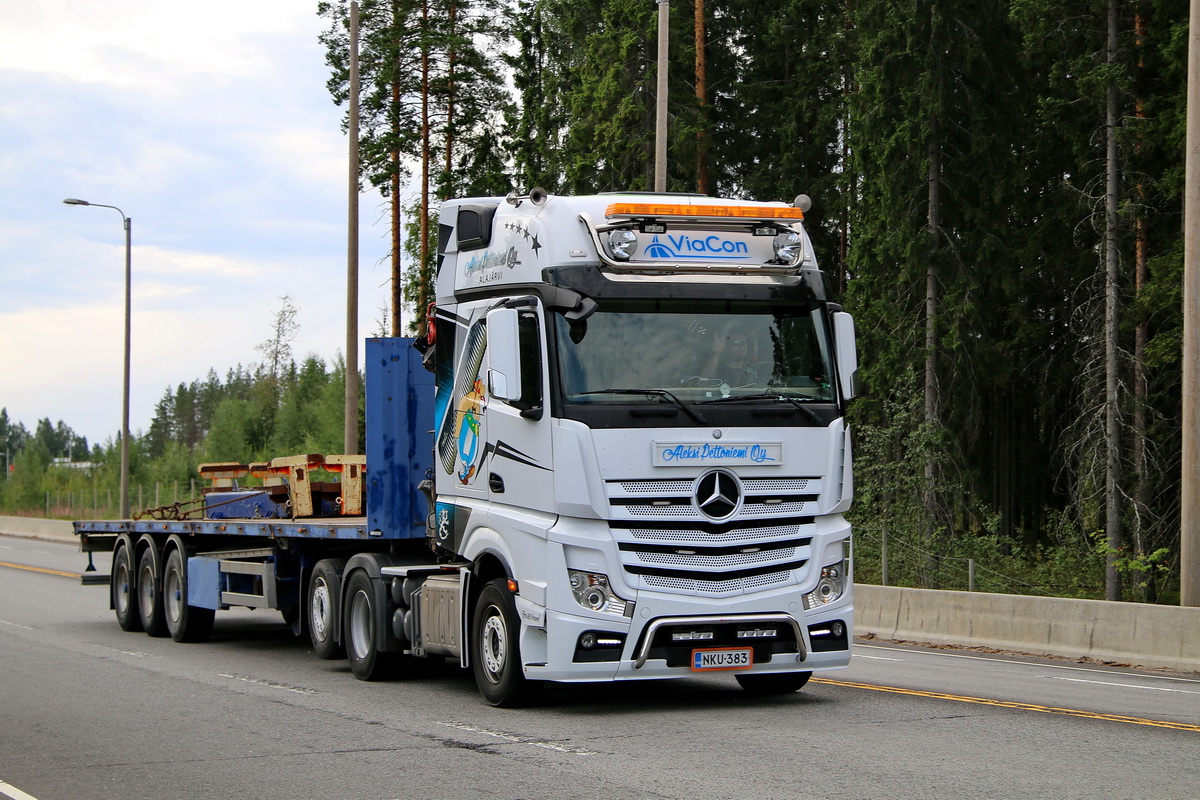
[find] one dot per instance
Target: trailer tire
(773, 682)
(149, 592)
(124, 593)
(186, 623)
(321, 602)
(496, 651)
(367, 662)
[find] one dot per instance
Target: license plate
(731, 658)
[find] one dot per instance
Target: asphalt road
(87, 711)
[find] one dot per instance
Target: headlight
(789, 248)
(591, 591)
(829, 588)
(622, 244)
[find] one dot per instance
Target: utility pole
(1189, 516)
(350, 429)
(660, 120)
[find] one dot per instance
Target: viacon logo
(706, 248)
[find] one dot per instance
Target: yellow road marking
(39, 569)
(1157, 723)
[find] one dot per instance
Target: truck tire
(186, 623)
(358, 631)
(495, 649)
(124, 596)
(321, 605)
(773, 682)
(149, 593)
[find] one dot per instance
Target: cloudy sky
(209, 125)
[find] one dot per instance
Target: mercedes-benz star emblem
(718, 494)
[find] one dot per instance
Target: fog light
(587, 641)
(622, 244)
(789, 247)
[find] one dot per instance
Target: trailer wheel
(321, 605)
(124, 597)
(496, 654)
(773, 682)
(358, 631)
(149, 593)
(186, 623)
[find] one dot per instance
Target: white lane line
(1125, 685)
(519, 739)
(1036, 665)
(16, 625)
(268, 684)
(12, 792)
(135, 653)
(879, 658)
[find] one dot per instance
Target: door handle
(496, 483)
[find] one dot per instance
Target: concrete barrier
(35, 528)
(1125, 633)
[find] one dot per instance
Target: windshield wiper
(768, 396)
(691, 412)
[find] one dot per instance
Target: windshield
(695, 352)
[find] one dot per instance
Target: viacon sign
(700, 248)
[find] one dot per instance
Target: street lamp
(71, 201)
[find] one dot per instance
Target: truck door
(519, 460)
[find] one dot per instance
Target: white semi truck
(630, 461)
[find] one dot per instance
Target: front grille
(695, 586)
(718, 534)
(668, 545)
(716, 562)
(672, 499)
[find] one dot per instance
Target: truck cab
(640, 443)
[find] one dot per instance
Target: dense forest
(997, 189)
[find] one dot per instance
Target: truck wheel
(321, 605)
(496, 655)
(773, 682)
(186, 623)
(358, 631)
(124, 598)
(149, 594)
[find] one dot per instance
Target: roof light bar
(703, 212)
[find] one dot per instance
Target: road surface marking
(1071, 712)
(39, 569)
(1038, 664)
(136, 653)
(1127, 685)
(16, 625)
(12, 792)
(268, 684)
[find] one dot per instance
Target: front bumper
(661, 644)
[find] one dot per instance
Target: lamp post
(71, 201)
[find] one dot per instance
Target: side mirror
(514, 357)
(504, 354)
(847, 353)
